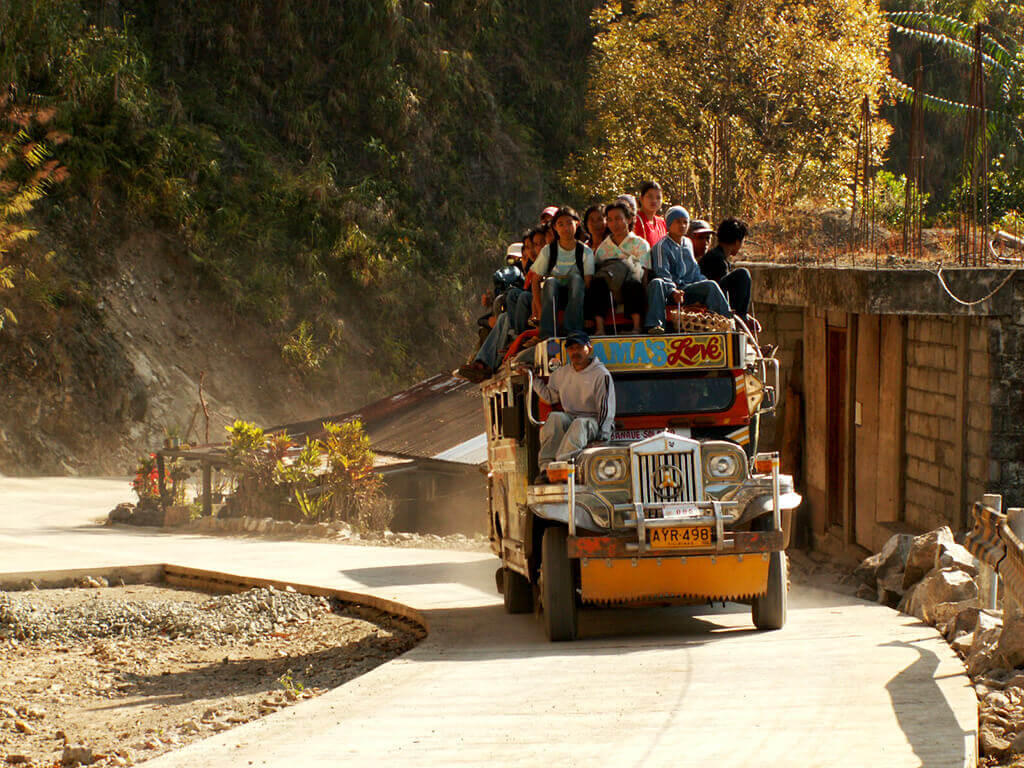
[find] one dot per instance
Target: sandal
(474, 372)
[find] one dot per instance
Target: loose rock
(77, 755)
(924, 554)
(941, 586)
(1010, 645)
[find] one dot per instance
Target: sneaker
(656, 330)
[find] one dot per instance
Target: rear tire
(558, 586)
(517, 591)
(769, 610)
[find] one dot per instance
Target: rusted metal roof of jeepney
(438, 418)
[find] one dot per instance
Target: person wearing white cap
(675, 276)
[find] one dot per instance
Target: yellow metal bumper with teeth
(711, 577)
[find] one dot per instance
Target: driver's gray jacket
(589, 393)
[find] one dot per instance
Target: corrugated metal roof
(439, 418)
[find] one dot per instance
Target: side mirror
(512, 422)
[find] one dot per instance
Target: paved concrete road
(846, 683)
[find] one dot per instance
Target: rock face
(947, 585)
(924, 554)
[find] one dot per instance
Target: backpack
(507, 277)
(553, 257)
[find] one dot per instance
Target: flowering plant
(145, 482)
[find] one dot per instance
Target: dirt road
(845, 683)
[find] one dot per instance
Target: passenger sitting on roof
(595, 228)
(621, 262)
(585, 390)
(518, 299)
(540, 239)
(513, 303)
(507, 277)
(568, 266)
(649, 225)
(675, 275)
(735, 283)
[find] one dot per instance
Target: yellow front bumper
(711, 577)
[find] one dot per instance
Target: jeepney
(679, 507)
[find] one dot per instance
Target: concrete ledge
(61, 579)
(864, 290)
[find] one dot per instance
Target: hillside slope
(300, 200)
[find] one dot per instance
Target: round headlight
(554, 364)
(723, 466)
(610, 470)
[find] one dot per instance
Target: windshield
(641, 394)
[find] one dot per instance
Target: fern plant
(1003, 60)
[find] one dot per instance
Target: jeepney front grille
(650, 474)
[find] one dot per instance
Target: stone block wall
(1006, 400)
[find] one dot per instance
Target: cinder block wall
(932, 427)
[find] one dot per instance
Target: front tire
(558, 586)
(769, 610)
(517, 591)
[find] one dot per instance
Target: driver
(585, 390)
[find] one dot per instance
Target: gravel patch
(113, 676)
(243, 616)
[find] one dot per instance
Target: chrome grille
(647, 477)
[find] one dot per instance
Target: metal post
(572, 498)
(776, 511)
(161, 478)
(615, 324)
(207, 489)
(988, 579)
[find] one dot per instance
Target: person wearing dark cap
(699, 234)
(735, 283)
(586, 393)
(675, 276)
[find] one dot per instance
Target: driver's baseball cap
(577, 337)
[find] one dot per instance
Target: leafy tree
(780, 83)
(27, 169)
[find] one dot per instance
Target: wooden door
(835, 425)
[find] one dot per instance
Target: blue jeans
(490, 351)
(706, 292)
(565, 292)
(518, 303)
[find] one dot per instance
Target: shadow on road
(907, 691)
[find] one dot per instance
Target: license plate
(681, 537)
(680, 511)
